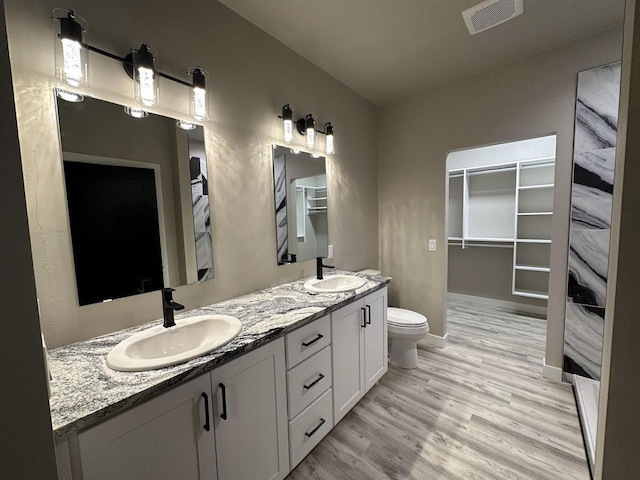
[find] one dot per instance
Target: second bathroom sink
(334, 284)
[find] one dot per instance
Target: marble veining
(86, 391)
(588, 264)
(592, 192)
(597, 108)
(584, 330)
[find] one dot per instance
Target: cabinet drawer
(306, 341)
(308, 381)
(308, 428)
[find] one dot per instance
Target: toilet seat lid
(405, 318)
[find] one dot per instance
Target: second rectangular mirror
(300, 192)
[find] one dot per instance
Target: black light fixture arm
(128, 64)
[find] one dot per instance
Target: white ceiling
(390, 49)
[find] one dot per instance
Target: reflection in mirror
(137, 199)
(300, 192)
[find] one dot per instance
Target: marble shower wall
(596, 130)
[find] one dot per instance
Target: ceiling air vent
(491, 13)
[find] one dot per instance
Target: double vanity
(253, 408)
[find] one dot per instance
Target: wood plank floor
(479, 409)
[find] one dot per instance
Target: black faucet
(320, 266)
(169, 306)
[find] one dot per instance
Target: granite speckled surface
(85, 391)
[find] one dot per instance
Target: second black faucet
(320, 266)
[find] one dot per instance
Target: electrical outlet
(330, 251)
(432, 245)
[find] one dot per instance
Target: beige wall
(252, 76)
(532, 97)
(618, 421)
(26, 441)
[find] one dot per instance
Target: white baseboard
(512, 306)
(431, 340)
(551, 372)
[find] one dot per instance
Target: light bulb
(315, 155)
(295, 151)
(147, 86)
(71, 56)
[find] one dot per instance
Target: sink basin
(334, 284)
(159, 347)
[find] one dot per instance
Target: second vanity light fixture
(305, 126)
(141, 64)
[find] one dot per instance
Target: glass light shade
(146, 81)
(186, 125)
(69, 96)
(310, 129)
(199, 108)
(71, 55)
(329, 146)
(136, 112)
(315, 155)
(287, 123)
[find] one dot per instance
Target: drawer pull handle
(320, 377)
(368, 314)
(223, 415)
(311, 342)
(364, 317)
(207, 423)
(322, 422)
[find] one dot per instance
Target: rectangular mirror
(137, 198)
(300, 193)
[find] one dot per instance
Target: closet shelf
(532, 240)
(536, 187)
(533, 214)
(316, 198)
(487, 239)
(531, 294)
(533, 268)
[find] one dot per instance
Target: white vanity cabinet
(250, 415)
(359, 350)
(162, 439)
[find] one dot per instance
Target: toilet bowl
(405, 329)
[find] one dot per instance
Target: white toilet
(406, 328)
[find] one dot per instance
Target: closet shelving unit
(508, 205)
(315, 199)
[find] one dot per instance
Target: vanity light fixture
(69, 96)
(306, 126)
(315, 155)
(287, 123)
(186, 125)
(199, 110)
(71, 55)
(136, 112)
(329, 146)
(72, 66)
(295, 151)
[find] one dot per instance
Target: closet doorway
(499, 217)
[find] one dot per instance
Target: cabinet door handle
(368, 314)
(223, 415)
(320, 377)
(207, 422)
(322, 422)
(311, 342)
(364, 317)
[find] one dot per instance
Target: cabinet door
(347, 338)
(250, 415)
(161, 439)
(375, 338)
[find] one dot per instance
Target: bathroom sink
(334, 284)
(159, 347)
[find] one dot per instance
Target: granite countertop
(85, 391)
